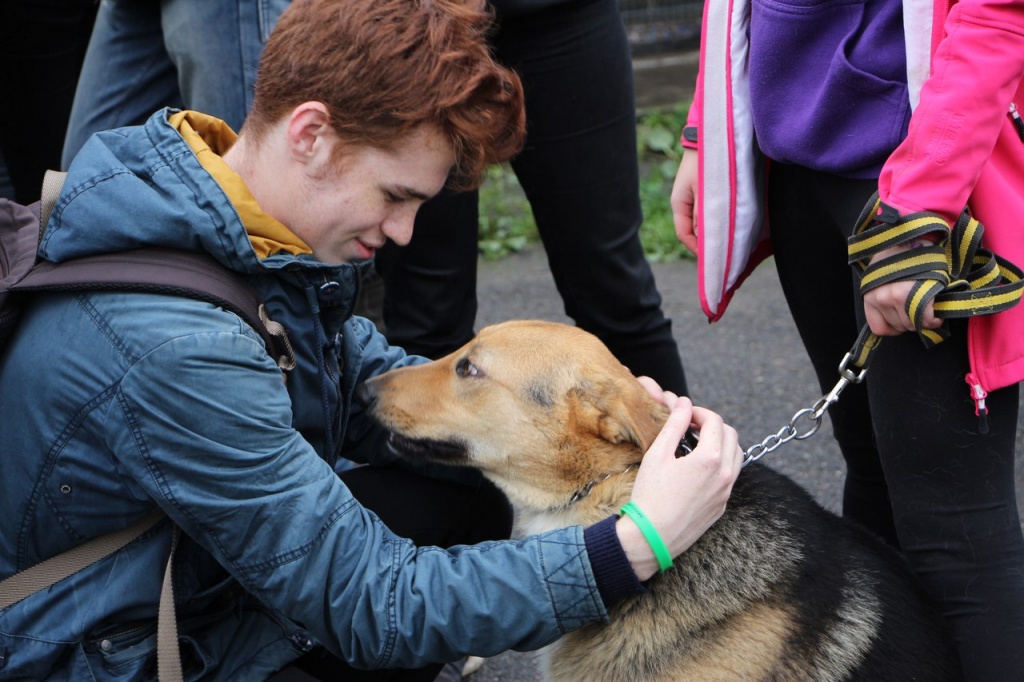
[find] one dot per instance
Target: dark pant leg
(429, 512)
(429, 306)
(953, 495)
(809, 214)
(950, 488)
(579, 169)
(42, 45)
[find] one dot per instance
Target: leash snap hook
(849, 375)
(828, 400)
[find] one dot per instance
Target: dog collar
(585, 490)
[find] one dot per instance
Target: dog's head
(540, 408)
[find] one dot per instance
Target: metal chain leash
(811, 414)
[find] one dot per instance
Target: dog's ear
(618, 413)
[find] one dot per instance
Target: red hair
(386, 67)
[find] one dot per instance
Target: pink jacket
(962, 148)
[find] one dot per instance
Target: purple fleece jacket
(828, 82)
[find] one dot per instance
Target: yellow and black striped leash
(951, 269)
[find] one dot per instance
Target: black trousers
(429, 512)
(579, 170)
(919, 472)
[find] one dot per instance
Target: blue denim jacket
(112, 404)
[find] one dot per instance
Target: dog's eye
(465, 368)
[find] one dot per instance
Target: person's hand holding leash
(885, 306)
(680, 498)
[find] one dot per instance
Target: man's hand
(682, 496)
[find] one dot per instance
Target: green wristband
(661, 552)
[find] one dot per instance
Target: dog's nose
(365, 394)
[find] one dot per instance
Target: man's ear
(310, 136)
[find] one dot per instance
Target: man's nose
(398, 228)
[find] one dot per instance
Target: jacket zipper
(978, 394)
(1017, 122)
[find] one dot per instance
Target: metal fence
(659, 26)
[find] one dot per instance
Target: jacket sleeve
(688, 138)
(964, 107)
(202, 425)
(365, 354)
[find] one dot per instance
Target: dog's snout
(366, 394)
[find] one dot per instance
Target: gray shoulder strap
(34, 578)
(53, 181)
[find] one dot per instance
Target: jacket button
(106, 645)
(65, 488)
(302, 642)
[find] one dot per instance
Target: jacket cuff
(689, 137)
(613, 573)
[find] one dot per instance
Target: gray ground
(750, 366)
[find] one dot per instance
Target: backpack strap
(168, 651)
(53, 181)
(152, 270)
(155, 270)
(164, 271)
(34, 578)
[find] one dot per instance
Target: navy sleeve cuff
(612, 570)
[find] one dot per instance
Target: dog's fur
(778, 589)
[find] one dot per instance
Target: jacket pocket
(128, 647)
(131, 653)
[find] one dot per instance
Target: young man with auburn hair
(364, 109)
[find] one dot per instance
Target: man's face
(349, 210)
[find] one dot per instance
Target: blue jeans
(145, 55)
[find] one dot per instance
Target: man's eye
(393, 198)
(465, 368)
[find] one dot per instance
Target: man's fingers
(652, 387)
(675, 426)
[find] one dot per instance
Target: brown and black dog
(778, 589)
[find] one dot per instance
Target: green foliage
(660, 152)
(507, 225)
(506, 221)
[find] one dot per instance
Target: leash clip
(847, 377)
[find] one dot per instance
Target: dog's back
(779, 589)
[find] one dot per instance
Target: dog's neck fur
(605, 498)
(607, 425)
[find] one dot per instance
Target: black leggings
(919, 473)
(579, 170)
(429, 512)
